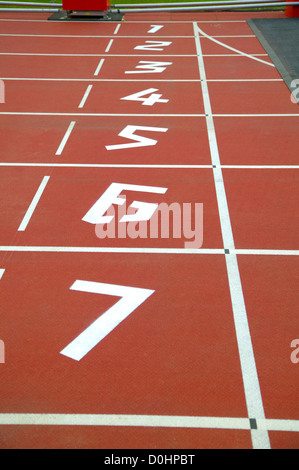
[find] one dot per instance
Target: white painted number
(149, 101)
(111, 196)
(150, 67)
(131, 298)
(155, 28)
(139, 141)
(153, 46)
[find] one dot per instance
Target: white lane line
(170, 251)
(260, 439)
(109, 45)
(123, 420)
(244, 79)
(206, 422)
(279, 424)
(86, 94)
(15, 113)
(101, 114)
(256, 115)
(99, 165)
(65, 138)
(33, 204)
(132, 165)
(99, 67)
(2, 271)
(96, 249)
(266, 252)
(233, 49)
(48, 54)
(55, 36)
(96, 80)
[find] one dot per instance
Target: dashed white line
(86, 94)
(99, 67)
(109, 45)
(117, 28)
(33, 204)
(65, 138)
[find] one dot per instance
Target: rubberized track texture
(112, 336)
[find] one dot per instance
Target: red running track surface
(209, 357)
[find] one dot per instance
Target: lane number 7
(130, 299)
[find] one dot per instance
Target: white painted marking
(47, 54)
(172, 251)
(145, 115)
(205, 422)
(117, 29)
(260, 439)
(95, 215)
(119, 114)
(2, 271)
(123, 420)
(99, 67)
(86, 94)
(65, 138)
(289, 425)
(153, 46)
(150, 101)
(139, 141)
(33, 204)
(150, 67)
(100, 165)
(233, 49)
(183, 80)
(109, 45)
(154, 28)
(128, 165)
(131, 298)
(88, 36)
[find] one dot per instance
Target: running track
(205, 358)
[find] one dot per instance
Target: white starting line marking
(65, 138)
(33, 204)
(2, 271)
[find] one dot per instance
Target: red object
(87, 5)
(292, 11)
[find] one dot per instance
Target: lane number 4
(146, 100)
